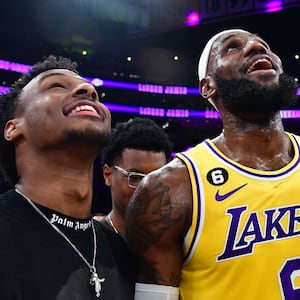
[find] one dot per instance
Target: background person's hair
(138, 133)
(9, 105)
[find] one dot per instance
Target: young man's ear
(12, 130)
(107, 171)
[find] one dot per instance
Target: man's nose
(255, 46)
(86, 89)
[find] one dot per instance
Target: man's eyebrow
(222, 40)
(228, 37)
(260, 39)
(58, 74)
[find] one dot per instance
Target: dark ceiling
(32, 29)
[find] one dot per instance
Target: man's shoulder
(106, 233)
(172, 168)
(8, 193)
(165, 189)
(6, 199)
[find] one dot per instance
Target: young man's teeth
(83, 107)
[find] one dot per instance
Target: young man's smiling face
(59, 105)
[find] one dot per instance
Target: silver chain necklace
(112, 224)
(94, 279)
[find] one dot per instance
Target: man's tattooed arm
(158, 216)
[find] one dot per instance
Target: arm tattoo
(153, 214)
(156, 223)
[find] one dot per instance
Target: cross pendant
(96, 281)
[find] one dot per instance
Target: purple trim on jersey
(199, 205)
(253, 173)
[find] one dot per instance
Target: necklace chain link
(112, 224)
(94, 280)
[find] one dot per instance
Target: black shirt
(109, 227)
(36, 262)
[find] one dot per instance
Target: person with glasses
(134, 178)
(137, 147)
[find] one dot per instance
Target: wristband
(155, 291)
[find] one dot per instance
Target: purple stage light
(4, 89)
(120, 85)
(290, 114)
(97, 82)
(176, 90)
(178, 113)
(14, 67)
(152, 111)
(192, 19)
(140, 87)
(150, 88)
(273, 6)
(173, 113)
(123, 108)
(193, 91)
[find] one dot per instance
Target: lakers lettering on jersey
(244, 240)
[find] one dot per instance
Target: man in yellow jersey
(222, 220)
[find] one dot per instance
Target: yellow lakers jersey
(244, 240)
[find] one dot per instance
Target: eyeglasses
(134, 178)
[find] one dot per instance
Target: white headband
(203, 61)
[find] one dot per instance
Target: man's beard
(88, 137)
(246, 96)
